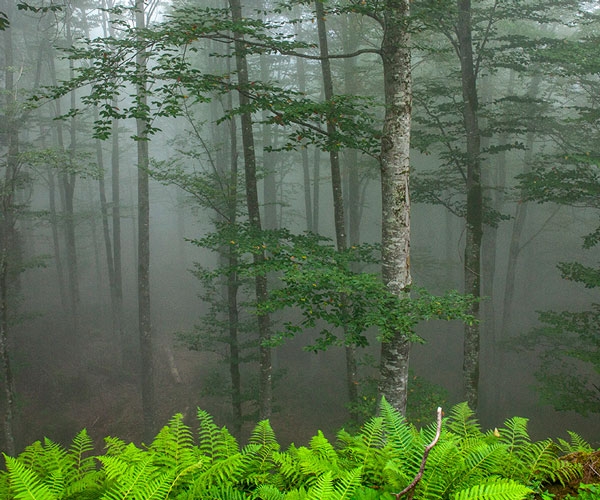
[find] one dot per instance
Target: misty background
(75, 367)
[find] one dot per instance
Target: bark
(337, 191)
(308, 209)
(7, 234)
(316, 189)
(474, 216)
(265, 365)
(117, 289)
(145, 326)
(68, 179)
(269, 181)
(64, 296)
(395, 150)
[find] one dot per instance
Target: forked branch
(411, 487)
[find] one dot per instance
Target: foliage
(380, 459)
(570, 340)
(320, 281)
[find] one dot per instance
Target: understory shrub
(376, 462)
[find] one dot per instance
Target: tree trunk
(265, 366)
(395, 168)
(474, 217)
(308, 209)
(7, 234)
(337, 192)
(69, 179)
(145, 326)
(268, 163)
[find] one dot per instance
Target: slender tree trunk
(337, 192)
(145, 326)
(64, 296)
(395, 169)
(316, 189)
(308, 209)
(474, 217)
(69, 179)
(269, 180)
(265, 377)
(7, 234)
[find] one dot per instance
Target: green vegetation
(379, 461)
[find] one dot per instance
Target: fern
(462, 421)
(495, 489)
(173, 447)
(348, 483)
(127, 479)
(323, 488)
(24, 483)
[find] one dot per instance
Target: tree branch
(409, 489)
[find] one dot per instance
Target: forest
(311, 214)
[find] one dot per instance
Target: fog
(76, 365)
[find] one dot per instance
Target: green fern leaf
(400, 434)
(494, 490)
(24, 483)
(114, 446)
(173, 447)
(269, 492)
(462, 421)
(579, 444)
(347, 484)
(209, 435)
(129, 479)
(323, 488)
(514, 434)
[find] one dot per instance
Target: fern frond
(33, 457)
(347, 484)
(157, 488)
(173, 447)
(269, 492)
(221, 473)
(462, 421)
(540, 462)
(114, 446)
(579, 444)
(399, 433)
(365, 450)
(209, 434)
(259, 452)
(128, 479)
(264, 435)
(443, 464)
(514, 434)
(24, 483)
(497, 489)
(323, 488)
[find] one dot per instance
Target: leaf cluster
(379, 460)
(325, 286)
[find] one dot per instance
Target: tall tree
(336, 185)
(474, 212)
(265, 365)
(143, 278)
(8, 236)
(395, 171)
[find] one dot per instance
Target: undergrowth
(376, 462)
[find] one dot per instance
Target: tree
(143, 278)
(395, 171)
(252, 202)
